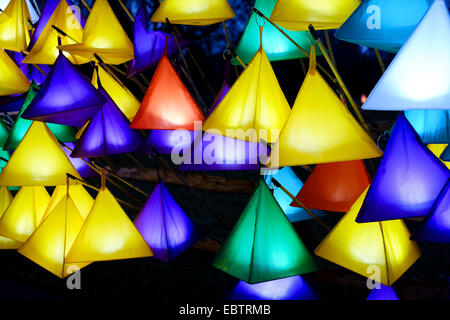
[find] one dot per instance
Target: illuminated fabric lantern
(438, 150)
(445, 156)
(149, 44)
(20, 127)
(276, 45)
(66, 97)
(44, 48)
(12, 79)
(38, 160)
(107, 234)
(288, 179)
(167, 104)
(322, 14)
(82, 167)
(383, 293)
(218, 153)
(320, 129)
(13, 26)
(433, 126)
(408, 180)
(33, 13)
(193, 12)
(165, 226)
(108, 133)
(361, 246)
(334, 186)
(383, 24)
(103, 35)
(122, 97)
(263, 245)
(25, 213)
(254, 106)
(5, 200)
(407, 84)
(51, 241)
(292, 288)
(48, 10)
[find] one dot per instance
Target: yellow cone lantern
(103, 35)
(320, 128)
(193, 12)
(5, 200)
(14, 34)
(25, 213)
(12, 79)
(378, 249)
(38, 160)
(107, 234)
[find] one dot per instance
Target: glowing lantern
(13, 26)
(25, 213)
(12, 79)
(320, 129)
(407, 84)
(43, 49)
(21, 125)
(383, 24)
(193, 12)
(108, 133)
(5, 200)
(433, 126)
(49, 244)
(38, 160)
(360, 247)
(438, 150)
(263, 245)
(66, 97)
(322, 14)
(292, 288)
(255, 105)
(103, 35)
(107, 234)
(334, 186)
(407, 181)
(167, 104)
(81, 166)
(165, 226)
(276, 45)
(383, 293)
(288, 179)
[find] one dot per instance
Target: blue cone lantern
(383, 293)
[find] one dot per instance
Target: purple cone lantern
(165, 226)
(408, 180)
(66, 97)
(164, 141)
(382, 293)
(108, 133)
(82, 168)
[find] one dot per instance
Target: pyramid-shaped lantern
(103, 35)
(14, 34)
(263, 245)
(21, 125)
(165, 226)
(382, 293)
(334, 186)
(322, 14)
(108, 133)
(167, 104)
(193, 12)
(25, 213)
(255, 106)
(292, 288)
(358, 246)
(107, 234)
(438, 150)
(377, 23)
(44, 48)
(407, 84)
(433, 126)
(5, 200)
(320, 128)
(407, 181)
(436, 226)
(66, 97)
(31, 166)
(12, 79)
(288, 179)
(276, 45)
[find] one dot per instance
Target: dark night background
(191, 275)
